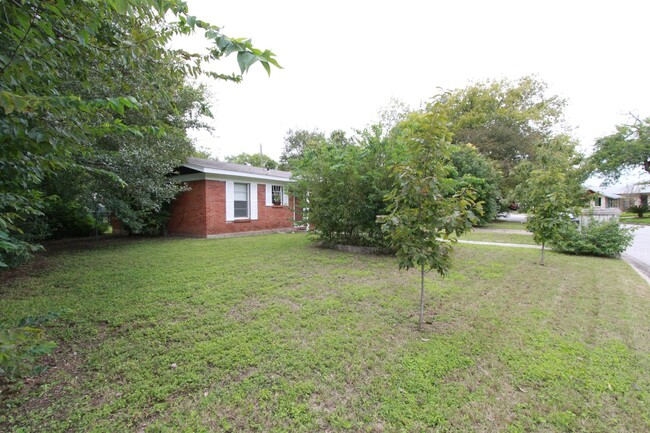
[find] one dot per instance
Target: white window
(241, 205)
(241, 201)
(275, 196)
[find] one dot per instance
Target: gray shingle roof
(239, 168)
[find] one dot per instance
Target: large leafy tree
(131, 178)
(296, 144)
(59, 62)
(471, 170)
(504, 119)
(553, 190)
(628, 148)
(424, 209)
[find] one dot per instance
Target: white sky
(344, 60)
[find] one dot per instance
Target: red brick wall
(271, 217)
(117, 228)
(188, 214)
(202, 212)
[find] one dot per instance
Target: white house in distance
(621, 197)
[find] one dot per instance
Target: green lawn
(271, 334)
(634, 219)
(506, 225)
(489, 236)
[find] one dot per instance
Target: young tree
(423, 208)
(553, 190)
(626, 149)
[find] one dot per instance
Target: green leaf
(116, 104)
(245, 60)
(120, 6)
(267, 67)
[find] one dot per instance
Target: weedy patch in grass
(271, 334)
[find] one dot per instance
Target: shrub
(69, 219)
(22, 346)
(605, 239)
(639, 210)
(344, 185)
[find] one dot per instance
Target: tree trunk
(421, 298)
(542, 262)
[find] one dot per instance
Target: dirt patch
(38, 265)
(33, 394)
(245, 310)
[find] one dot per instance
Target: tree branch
(22, 40)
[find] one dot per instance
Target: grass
(506, 225)
(632, 218)
(488, 236)
(271, 334)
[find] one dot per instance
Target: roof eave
(230, 173)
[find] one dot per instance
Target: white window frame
(244, 187)
(230, 201)
(269, 195)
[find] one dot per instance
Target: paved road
(514, 217)
(638, 254)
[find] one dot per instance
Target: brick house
(230, 198)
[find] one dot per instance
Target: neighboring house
(603, 206)
(230, 198)
(634, 196)
(621, 197)
(603, 199)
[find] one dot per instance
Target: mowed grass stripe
(272, 334)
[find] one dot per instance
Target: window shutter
(285, 197)
(253, 201)
(269, 194)
(230, 200)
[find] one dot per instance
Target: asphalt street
(638, 254)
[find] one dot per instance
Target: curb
(636, 265)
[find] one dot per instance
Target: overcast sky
(344, 60)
